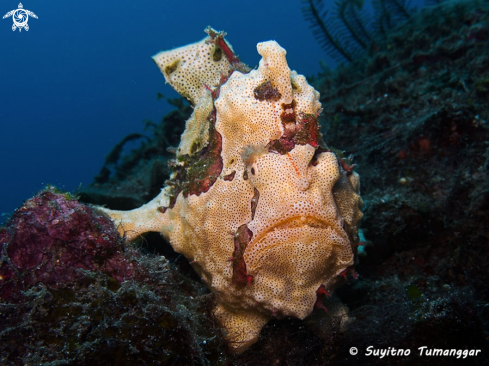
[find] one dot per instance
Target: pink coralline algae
(51, 238)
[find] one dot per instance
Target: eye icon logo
(20, 17)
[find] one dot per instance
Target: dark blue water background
(82, 78)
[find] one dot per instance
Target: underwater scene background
(404, 90)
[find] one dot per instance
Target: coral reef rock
(265, 212)
(51, 238)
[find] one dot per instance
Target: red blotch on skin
(241, 240)
(230, 177)
(200, 174)
(218, 39)
(350, 271)
(288, 112)
(308, 130)
(347, 168)
(320, 294)
(266, 91)
(301, 132)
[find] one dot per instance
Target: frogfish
(264, 211)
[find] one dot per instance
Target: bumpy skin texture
(274, 216)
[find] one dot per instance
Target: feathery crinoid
(351, 30)
(345, 34)
(390, 13)
(326, 30)
(355, 22)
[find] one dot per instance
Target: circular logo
(20, 18)
(353, 351)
